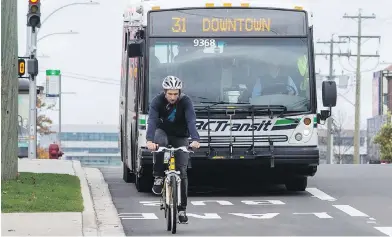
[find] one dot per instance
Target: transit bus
(249, 69)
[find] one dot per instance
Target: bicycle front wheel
(174, 203)
(167, 207)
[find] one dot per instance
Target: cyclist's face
(172, 95)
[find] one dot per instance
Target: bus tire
(297, 184)
(128, 177)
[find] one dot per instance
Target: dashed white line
(320, 194)
(321, 215)
(350, 210)
(385, 230)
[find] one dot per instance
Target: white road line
(320, 194)
(350, 210)
(385, 230)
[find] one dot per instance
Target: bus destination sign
(225, 22)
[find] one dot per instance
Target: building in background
(343, 146)
(382, 87)
(382, 102)
(93, 144)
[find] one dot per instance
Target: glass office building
(93, 145)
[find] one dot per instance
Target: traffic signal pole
(34, 22)
(33, 101)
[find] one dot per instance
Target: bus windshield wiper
(222, 102)
(270, 109)
(212, 103)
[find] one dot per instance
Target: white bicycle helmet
(172, 83)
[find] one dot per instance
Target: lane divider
(350, 210)
(320, 194)
(385, 230)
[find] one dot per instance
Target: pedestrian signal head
(34, 14)
(21, 67)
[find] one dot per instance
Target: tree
(342, 145)
(43, 122)
(384, 139)
(42, 153)
(9, 90)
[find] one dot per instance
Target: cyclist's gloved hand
(195, 144)
(152, 146)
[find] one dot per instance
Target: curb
(89, 222)
(109, 223)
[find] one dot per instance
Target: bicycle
(171, 191)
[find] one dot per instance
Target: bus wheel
(297, 184)
(128, 177)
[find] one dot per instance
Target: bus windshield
(259, 71)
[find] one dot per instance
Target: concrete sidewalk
(86, 223)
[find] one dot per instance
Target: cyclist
(171, 120)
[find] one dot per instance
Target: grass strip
(42, 192)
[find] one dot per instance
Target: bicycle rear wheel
(174, 202)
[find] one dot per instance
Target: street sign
(21, 67)
(53, 83)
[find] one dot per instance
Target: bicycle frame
(170, 160)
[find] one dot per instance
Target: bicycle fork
(168, 190)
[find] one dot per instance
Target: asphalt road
(341, 200)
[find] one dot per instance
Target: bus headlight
(298, 136)
(306, 132)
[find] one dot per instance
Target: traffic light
(34, 14)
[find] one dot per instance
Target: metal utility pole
(59, 136)
(33, 23)
(330, 77)
(359, 37)
(33, 102)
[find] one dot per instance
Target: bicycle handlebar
(181, 148)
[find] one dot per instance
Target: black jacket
(176, 120)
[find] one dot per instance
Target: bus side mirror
(329, 94)
(135, 49)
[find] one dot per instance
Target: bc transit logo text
(225, 125)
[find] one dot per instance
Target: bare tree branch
(342, 145)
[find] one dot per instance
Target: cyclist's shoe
(157, 188)
(182, 218)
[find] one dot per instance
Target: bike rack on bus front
(242, 111)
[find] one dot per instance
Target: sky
(90, 61)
